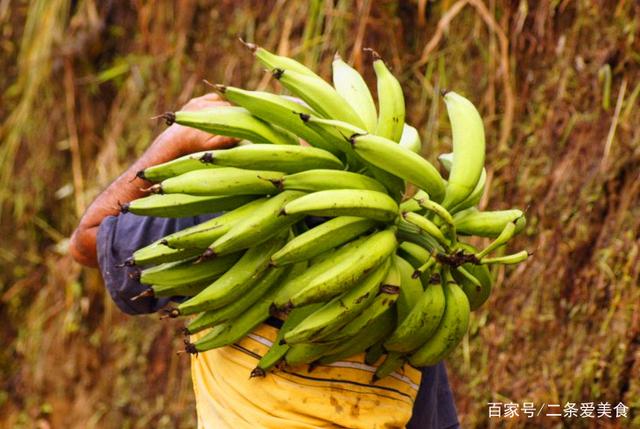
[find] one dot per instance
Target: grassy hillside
(557, 82)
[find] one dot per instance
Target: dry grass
(557, 82)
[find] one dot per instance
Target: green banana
(385, 154)
(410, 288)
(257, 227)
(235, 282)
(323, 180)
(345, 202)
(410, 139)
(446, 159)
(221, 181)
(380, 305)
(352, 87)
(318, 94)
(421, 322)
(374, 353)
(487, 223)
(345, 129)
(319, 264)
(453, 326)
(342, 276)
(182, 205)
(288, 159)
(414, 254)
(514, 258)
(276, 352)
(390, 102)
(427, 227)
(233, 330)
(231, 121)
(306, 353)
(202, 235)
(340, 310)
(392, 362)
(190, 289)
(375, 331)
(468, 148)
(323, 237)
(175, 167)
(257, 290)
(507, 233)
(183, 273)
(158, 253)
(282, 112)
(272, 61)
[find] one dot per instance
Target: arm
(175, 141)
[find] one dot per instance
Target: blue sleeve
(434, 407)
(120, 236)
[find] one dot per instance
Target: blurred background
(558, 85)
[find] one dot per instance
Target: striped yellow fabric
(336, 395)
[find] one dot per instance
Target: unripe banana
(277, 351)
(390, 102)
(282, 112)
(468, 148)
(257, 227)
(235, 282)
(183, 273)
(352, 87)
(345, 202)
(514, 258)
(453, 326)
(221, 181)
(323, 237)
(273, 61)
(507, 233)
(410, 139)
(202, 235)
(421, 322)
(410, 288)
(341, 277)
(427, 227)
(233, 330)
(288, 159)
(305, 353)
(185, 290)
(385, 154)
(487, 223)
(375, 331)
(318, 94)
(323, 180)
(384, 302)
(175, 167)
(320, 264)
(182, 205)
(158, 253)
(393, 362)
(446, 159)
(231, 121)
(374, 353)
(414, 254)
(256, 291)
(340, 310)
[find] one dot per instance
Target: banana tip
(336, 56)
(277, 73)
(375, 55)
(207, 158)
(169, 118)
(305, 117)
(257, 372)
(124, 208)
(251, 46)
(190, 348)
(140, 175)
(444, 91)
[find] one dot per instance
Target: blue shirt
(119, 236)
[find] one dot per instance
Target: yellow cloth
(336, 395)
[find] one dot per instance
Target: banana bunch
(323, 234)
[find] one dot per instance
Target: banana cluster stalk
(321, 234)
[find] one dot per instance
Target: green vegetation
(558, 86)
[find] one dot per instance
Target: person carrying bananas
(337, 395)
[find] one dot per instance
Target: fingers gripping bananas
(324, 233)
